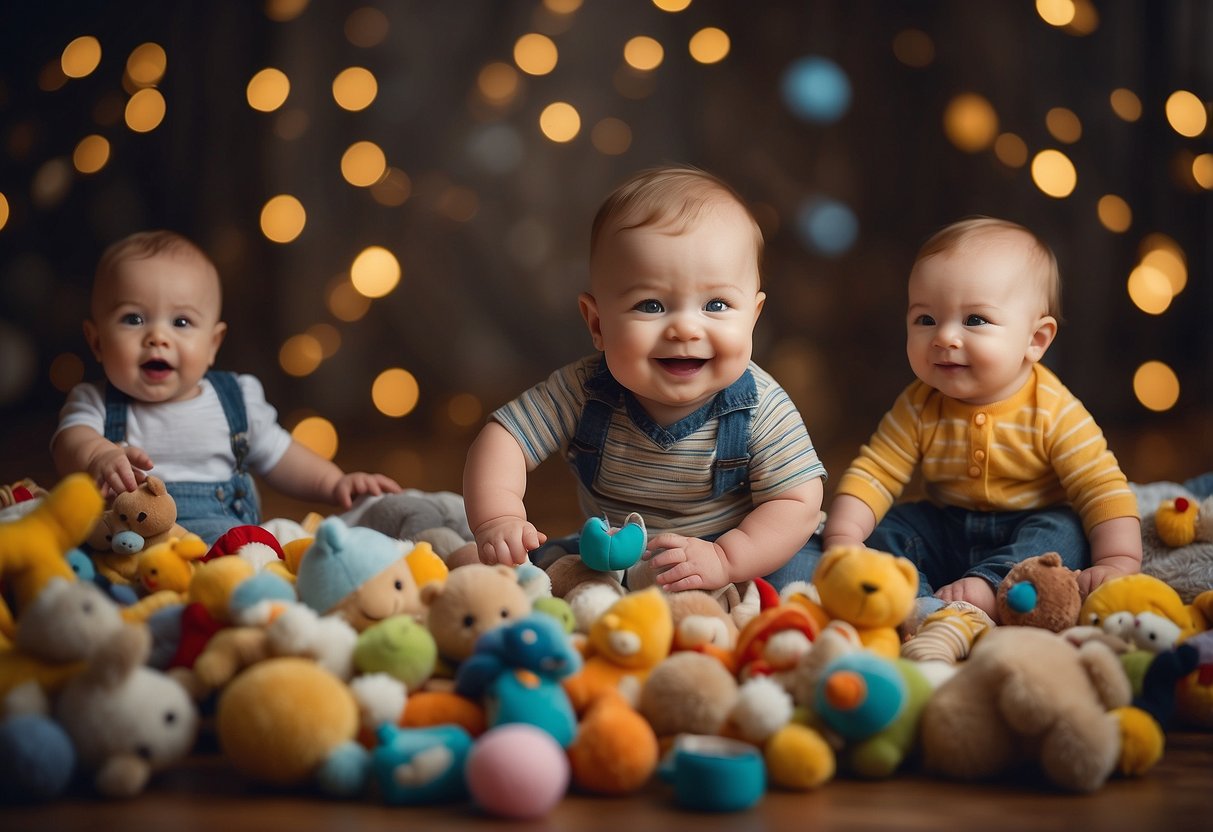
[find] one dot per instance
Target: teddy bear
(872, 590)
(33, 547)
(358, 573)
(135, 520)
(1177, 533)
(471, 601)
(1039, 592)
(1026, 695)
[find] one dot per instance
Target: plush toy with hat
(471, 601)
(255, 544)
(33, 547)
(1039, 592)
(873, 591)
(1177, 533)
(357, 572)
(135, 520)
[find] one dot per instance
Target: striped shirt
(1038, 448)
(669, 484)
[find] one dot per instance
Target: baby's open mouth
(156, 366)
(682, 366)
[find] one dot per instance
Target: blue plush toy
(418, 766)
(516, 671)
(607, 549)
(37, 759)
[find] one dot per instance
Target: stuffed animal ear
(118, 657)
(828, 561)
(156, 486)
(430, 592)
(909, 570)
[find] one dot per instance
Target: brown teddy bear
(1040, 592)
(471, 601)
(135, 521)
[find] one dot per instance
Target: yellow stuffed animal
(1115, 605)
(873, 591)
(32, 548)
(170, 565)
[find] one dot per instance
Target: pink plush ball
(517, 771)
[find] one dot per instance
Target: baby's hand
(120, 469)
(973, 590)
(1104, 571)
(352, 485)
(681, 563)
(507, 540)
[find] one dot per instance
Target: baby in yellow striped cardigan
(1012, 463)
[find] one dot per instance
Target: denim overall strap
(232, 400)
(116, 403)
(605, 395)
(733, 436)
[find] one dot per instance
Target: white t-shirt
(188, 441)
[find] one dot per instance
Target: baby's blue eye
(650, 306)
(132, 319)
(716, 305)
(975, 320)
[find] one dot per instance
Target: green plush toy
(399, 646)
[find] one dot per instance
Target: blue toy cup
(714, 774)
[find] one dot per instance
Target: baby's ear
(589, 311)
(217, 336)
(92, 337)
(1042, 337)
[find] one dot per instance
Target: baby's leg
(975, 591)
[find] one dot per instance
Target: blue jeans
(948, 543)
(210, 509)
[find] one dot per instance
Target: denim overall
(208, 509)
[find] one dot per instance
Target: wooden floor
(205, 794)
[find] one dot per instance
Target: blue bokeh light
(827, 226)
(816, 89)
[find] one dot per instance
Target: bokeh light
(268, 89)
(327, 337)
(827, 226)
(535, 54)
(146, 64)
(1149, 290)
(1055, 12)
(1169, 260)
(363, 164)
(317, 434)
(145, 110)
(1085, 20)
(498, 83)
(643, 53)
(300, 355)
(563, 6)
(355, 88)
(80, 57)
(709, 45)
(970, 123)
(611, 136)
(4, 210)
(281, 11)
(66, 371)
(1054, 173)
(816, 89)
(1156, 386)
(345, 302)
(672, 5)
(393, 188)
(458, 203)
(51, 182)
(1114, 213)
(914, 47)
(18, 363)
(1063, 125)
(395, 392)
(497, 148)
(1186, 114)
(1011, 150)
(1202, 170)
(366, 27)
(283, 218)
(91, 154)
(560, 122)
(464, 410)
(375, 272)
(1125, 104)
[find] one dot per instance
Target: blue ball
(827, 226)
(37, 759)
(816, 89)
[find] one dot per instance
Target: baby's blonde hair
(144, 244)
(952, 237)
(672, 195)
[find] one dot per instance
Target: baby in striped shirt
(670, 418)
(1012, 463)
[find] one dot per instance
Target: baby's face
(974, 325)
(155, 326)
(674, 313)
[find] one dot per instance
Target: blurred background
(398, 195)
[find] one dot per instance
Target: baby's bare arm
(494, 483)
(305, 475)
(849, 522)
(115, 468)
(1115, 551)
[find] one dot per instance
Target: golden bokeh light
(1149, 289)
(1170, 262)
(1085, 20)
(146, 64)
(458, 203)
(611, 136)
(464, 410)
(283, 218)
(366, 27)
(1055, 12)
(91, 154)
(672, 6)
(327, 337)
(1063, 125)
(1202, 170)
(562, 6)
(914, 47)
(643, 53)
(375, 272)
(535, 54)
(1054, 173)
(1156, 386)
(1125, 104)
(51, 182)
(498, 83)
(268, 89)
(1114, 213)
(4, 211)
(395, 392)
(393, 188)
(355, 88)
(280, 11)
(560, 122)
(300, 355)
(970, 122)
(145, 110)
(1186, 114)
(318, 435)
(363, 164)
(80, 57)
(709, 45)
(345, 302)
(66, 371)
(1011, 150)
(51, 77)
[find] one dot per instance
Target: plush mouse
(135, 520)
(874, 591)
(1039, 592)
(471, 601)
